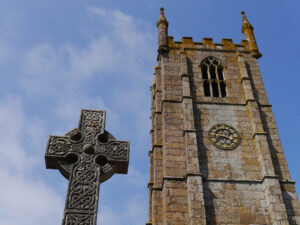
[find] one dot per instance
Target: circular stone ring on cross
(224, 137)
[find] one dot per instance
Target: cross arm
(116, 152)
(57, 148)
(87, 156)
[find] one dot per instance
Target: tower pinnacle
(215, 153)
(162, 25)
(162, 18)
(247, 30)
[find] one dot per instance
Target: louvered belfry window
(213, 79)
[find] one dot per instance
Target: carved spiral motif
(224, 137)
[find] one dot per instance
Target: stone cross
(87, 156)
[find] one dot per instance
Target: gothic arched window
(213, 78)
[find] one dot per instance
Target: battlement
(216, 157)
(207, 43)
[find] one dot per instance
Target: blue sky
(57, 57)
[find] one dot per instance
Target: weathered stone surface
(86, 156)
(198, 182)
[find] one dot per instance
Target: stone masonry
(194, 182)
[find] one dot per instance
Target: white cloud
(120, 55)
(122, 49)
(133, 34)
(58, 81)
(24, 199)
(13, 157)
(34, 130)
(68, 108)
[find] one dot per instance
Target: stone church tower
(216, 156)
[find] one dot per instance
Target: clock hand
(224, 136)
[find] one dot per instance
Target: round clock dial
(224, 137)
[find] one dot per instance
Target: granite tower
(216, 156)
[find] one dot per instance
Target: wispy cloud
(111, 71)
(27, 201)
(121, 49)
(24, 199)
(13, 156)
(120, 55)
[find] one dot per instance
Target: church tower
(216, 156)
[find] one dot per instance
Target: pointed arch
(212, 70)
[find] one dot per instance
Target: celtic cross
(87, 156)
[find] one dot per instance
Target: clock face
(224, 137)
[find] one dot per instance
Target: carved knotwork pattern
(84, 184)
(224, 137)
(76, 148)
(62, 145)
(91, 123)
(58, 145)
(86, 156)
(106, 168)
(77, 219)
(114, 150)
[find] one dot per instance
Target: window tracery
(213, 78)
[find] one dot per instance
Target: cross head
(87, 156)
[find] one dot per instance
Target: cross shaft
(86, 156)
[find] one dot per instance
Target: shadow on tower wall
(208, 195)
(287, 197)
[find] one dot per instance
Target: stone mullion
(195, 198)
(218, 81)
(210, 82)
(272, 189)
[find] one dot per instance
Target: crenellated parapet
(216, 156)
(166, 43)
(226, 44)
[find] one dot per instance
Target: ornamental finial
(247, 30)
(162, 18)
(245, 20)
